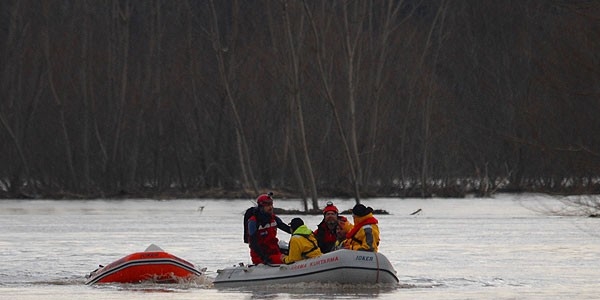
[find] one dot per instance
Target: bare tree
(380, 46)
(428, 99)
(342, 98)
(12, 92)
(59, 102)
(295, 46)
(354, 16)
(119, 62)
(242, 145)
(327, 90)
(84, 71)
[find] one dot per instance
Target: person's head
(265, 202)
(330, 214)
(295, 223)
(340, 231)
(342, 221)
(361, 210)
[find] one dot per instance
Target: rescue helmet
(265, 199)
(330, 207)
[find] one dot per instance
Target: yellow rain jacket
(347, 225)
(364, 235)
(303, 245)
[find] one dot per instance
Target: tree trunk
(352, 41)
(72, 181)
(441, 13)
(12, 92)
(84, 70)
(294, 47)
(242, 145)
(120, 15)
(328, 93)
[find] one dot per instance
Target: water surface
(500, 248)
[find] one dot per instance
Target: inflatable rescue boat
(154, 265)
(341, 266)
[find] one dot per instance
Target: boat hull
(155, 266)
(341, 266)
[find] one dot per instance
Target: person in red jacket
(262, 232)
(326, 230)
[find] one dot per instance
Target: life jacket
(266, 243)
(250, 212)
(326, 237)
(357, 239)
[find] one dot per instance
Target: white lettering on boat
(364, 258)
(324, 261)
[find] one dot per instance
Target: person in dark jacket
(262, 232)
(326, 230)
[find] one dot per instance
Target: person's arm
(368, 238)
(283, 226)
(295, 253)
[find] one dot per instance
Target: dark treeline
(316, 98)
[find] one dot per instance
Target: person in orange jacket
(365, 233)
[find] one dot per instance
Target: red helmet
(264, 199)
(330, 207)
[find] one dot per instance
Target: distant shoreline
(278, 194)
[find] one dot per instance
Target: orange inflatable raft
(153, 265)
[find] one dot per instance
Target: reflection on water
(314, 289)
(196, 282)
(501, 248)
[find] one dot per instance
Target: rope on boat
(377, 260)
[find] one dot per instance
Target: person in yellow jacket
(365, 233)
(303, 243)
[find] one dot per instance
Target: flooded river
(506, 247)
